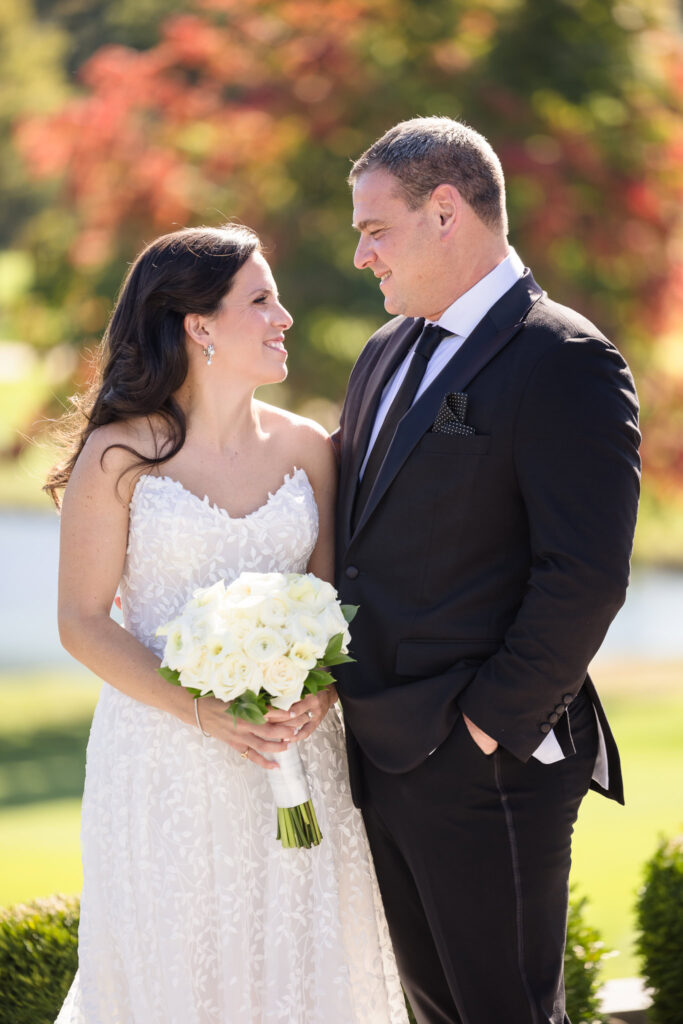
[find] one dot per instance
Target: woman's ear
(195, 328)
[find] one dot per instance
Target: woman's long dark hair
(142, 360)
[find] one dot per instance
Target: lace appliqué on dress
(191, 912)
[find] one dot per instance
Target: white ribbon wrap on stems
(289, 784)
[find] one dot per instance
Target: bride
(176, 476)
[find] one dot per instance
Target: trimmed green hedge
(583, 957)
(38, 959)
(659, 913)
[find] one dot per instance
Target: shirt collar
(465, 313)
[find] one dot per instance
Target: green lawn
(43, 733)
(645, 708)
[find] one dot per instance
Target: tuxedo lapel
(502, 322)
(392, 355)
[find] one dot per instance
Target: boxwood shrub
(659, 915)
(38, 958)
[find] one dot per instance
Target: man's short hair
(428, 151)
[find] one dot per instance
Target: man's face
(399, 245)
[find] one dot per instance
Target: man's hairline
(398, 191)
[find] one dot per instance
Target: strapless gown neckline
(165, 479)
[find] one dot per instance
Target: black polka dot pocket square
(450, 418)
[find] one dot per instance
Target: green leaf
(339, 659)
(250, 706)
(349, 611)
(171, 675)
(333, 648)
(196, 693)
(317, 680)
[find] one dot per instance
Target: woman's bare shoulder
(115, 449)
(283, 424)
(305, 442)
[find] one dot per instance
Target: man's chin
(392, 306)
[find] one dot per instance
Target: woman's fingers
(311, 711)
(264, 747)
(278, 715)
(270, 731)
(256, 758)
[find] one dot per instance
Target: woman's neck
(224, 419)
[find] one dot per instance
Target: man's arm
(576, 454)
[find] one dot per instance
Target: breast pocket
(455, 444)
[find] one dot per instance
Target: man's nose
(363, 255)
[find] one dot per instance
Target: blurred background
(123, 119)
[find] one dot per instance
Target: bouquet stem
(297, 824)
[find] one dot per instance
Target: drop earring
(209, 353)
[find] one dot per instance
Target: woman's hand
(248, 739)
(305, 716)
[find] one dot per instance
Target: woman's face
(248, 328)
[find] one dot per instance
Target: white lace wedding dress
(192, 912)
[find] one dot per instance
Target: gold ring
(245, 753)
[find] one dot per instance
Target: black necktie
(427, 343)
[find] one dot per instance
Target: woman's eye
(261, 299)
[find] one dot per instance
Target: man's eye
(377, 233)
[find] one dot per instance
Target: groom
(489, 486)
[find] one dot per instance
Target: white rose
(247, 604)
(333, 622)
(208, 595)
(308, 629)
(256, 583)
(235, 674)
(325, 594)
(241, 624)
(303, 654)
(301, 592)
(197, 679)
(217, 647)
(284, 681)
(181, 648)
(274, 611)
(263, 645)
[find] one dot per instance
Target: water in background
(649, 625)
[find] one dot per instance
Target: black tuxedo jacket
(487, 567)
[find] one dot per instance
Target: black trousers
(472, 855)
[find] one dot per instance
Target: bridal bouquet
(262, 642)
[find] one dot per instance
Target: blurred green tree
(254, 108)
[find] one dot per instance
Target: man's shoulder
(560, 323)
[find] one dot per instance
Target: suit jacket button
(546, 727)
(554, 717)
(568, 698)
(352, 572)
(560, 709)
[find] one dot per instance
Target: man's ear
(446, 203)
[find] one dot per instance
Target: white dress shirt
(460, 319)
